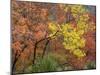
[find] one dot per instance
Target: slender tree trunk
(34, 57)
(44, 50)
(36, 44)
(13, 66)
(16, 59)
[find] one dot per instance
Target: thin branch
(48, 38)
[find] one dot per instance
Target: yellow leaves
(66, 26)
(92, 27)
(82, 26)
(81, 32)
(74, 50)
(82, 42)
(66, 29)
(79, 53)
(84, 17)
(72, 40)
(53, 27)
(72, 37)
(66, 9)
(66, 46)
(52, 35)
(77, 9)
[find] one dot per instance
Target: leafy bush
(45, 64)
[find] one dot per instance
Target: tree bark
(44, 50)
(34, 57)
(16, 59)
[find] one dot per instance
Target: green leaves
(46, 64)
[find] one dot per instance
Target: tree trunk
(34, 57)
(44, 50)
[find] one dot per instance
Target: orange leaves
(22, 21)
(40, 31)
(21, 29)
(16, 48)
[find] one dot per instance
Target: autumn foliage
(64, 33)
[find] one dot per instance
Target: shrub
(45, 64)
